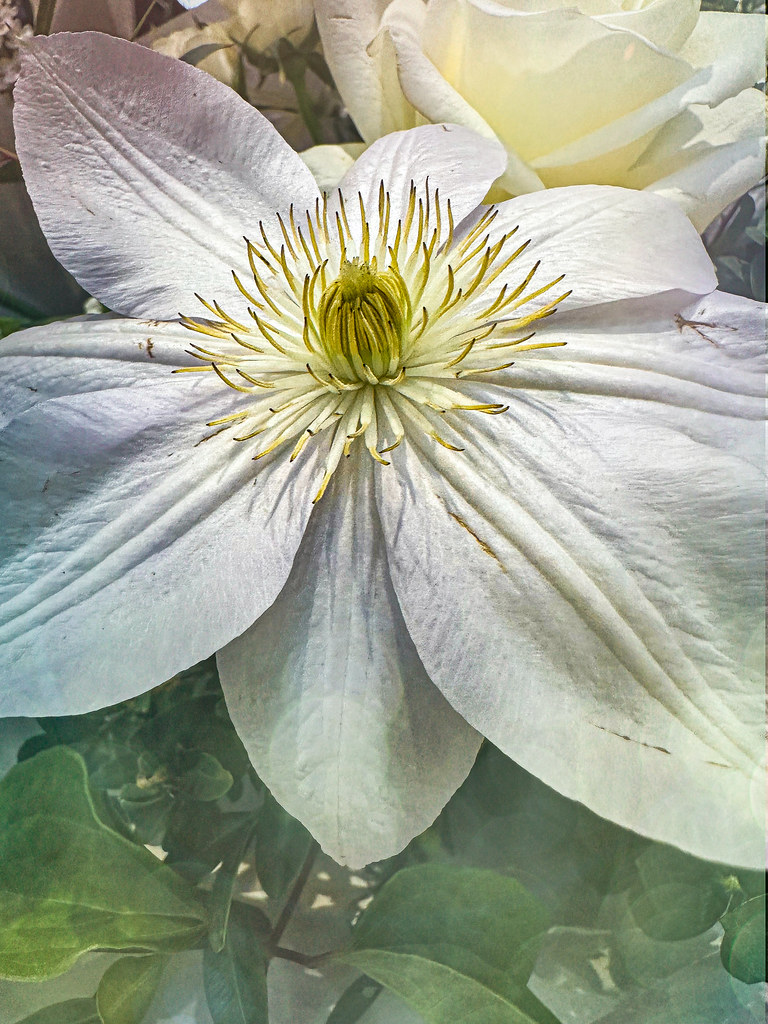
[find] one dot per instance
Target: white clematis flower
(401, 517)
(647, 94)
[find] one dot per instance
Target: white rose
(651, 95)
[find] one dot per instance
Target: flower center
(362, 328)
(363, 319)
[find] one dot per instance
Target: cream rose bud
(652, 95)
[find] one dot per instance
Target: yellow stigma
(363, 318)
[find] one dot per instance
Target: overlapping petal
(155, 163)
(607, 534)
(456, 162)
(329, 696)
(610, 244)
(135, 543)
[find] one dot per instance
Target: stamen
(360, 341)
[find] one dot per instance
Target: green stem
(306, 109)
(143, 18)
(44, 19)
(293, 897)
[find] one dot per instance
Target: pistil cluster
(361, 328)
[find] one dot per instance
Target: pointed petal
(132, 546)
(442, 157)
(601, 544)
(456, 161)
(152, 188)
(329, 696)
(610, 243)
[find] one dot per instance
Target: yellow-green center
(364, 317)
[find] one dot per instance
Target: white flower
(552, 539)
(649, 95)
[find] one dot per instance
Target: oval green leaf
(458, 944)
(69, 884)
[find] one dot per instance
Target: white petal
(30, 278)
(456, 161)
(610, 243)
(428, 91)
(733, 45)
(601, 546)
(131, 546)
(722, 156)
(665, 23)
(329, 696)
(159, 170)
(330, 163)
(346, 28)
(545, 79)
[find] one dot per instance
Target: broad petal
(346, 28)
(429, 92)
(545, 79)
(609, 243)
(130, 548)
(152, 189)
(601, 546)
(329, 696)
(733, 45)
(665, 23)
(449, 158)
(715, 164)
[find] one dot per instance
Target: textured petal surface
(706, 159)
(610, 243)
(159, 170)
(329, 696)
(346, 28)
(733, 46)
(132, 546)
(543, 80)
(601, 546)
(456, 161)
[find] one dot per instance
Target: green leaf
(73, 1011)
(10, 324)
(743, 947)
(282, 845)
(199, 53)
(355, 1001)
(206, 780)
(146, 811)
(128, 987)
(235, 980)
(69, 884)
(681, 896)
(224, 886)
(458, 944)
